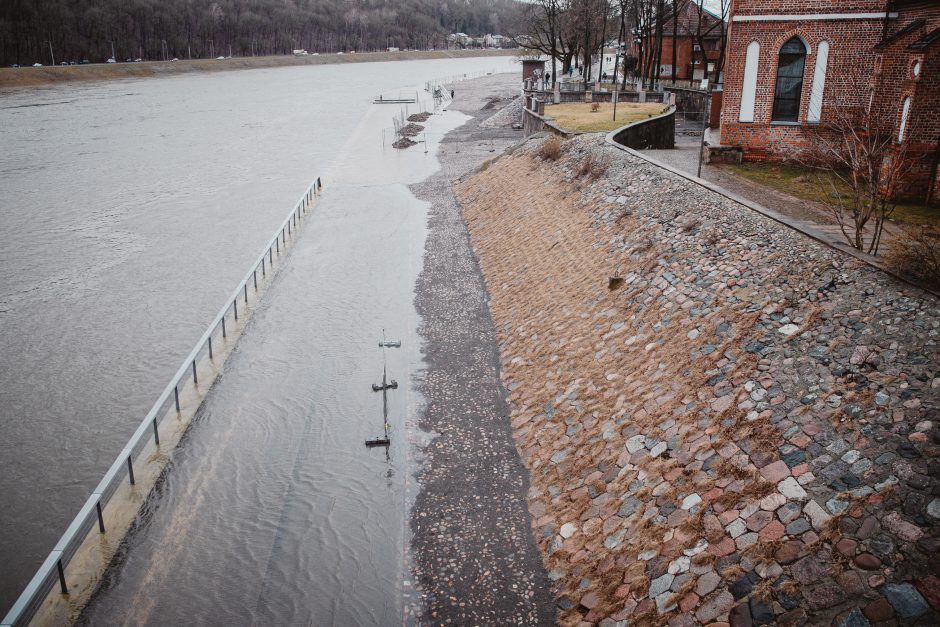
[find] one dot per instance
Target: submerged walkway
(272, 510)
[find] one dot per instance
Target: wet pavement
(272, 510)
(129, 211)
(474, 557)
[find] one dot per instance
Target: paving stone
(715, 606)
(854, 618)
(660, 585)
(789, 552)
(775, 472)
(707, 583)
(879, 610)
(867, 561)
(791, 489)
(929, 588)
(809, 570)
(788, 512)
(816, 514)
(901, 528)
(825, 596)
(740, 616)
(905, 599)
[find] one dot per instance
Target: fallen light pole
(386, 385)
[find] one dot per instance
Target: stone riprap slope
(743, 430)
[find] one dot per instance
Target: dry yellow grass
(577, 116)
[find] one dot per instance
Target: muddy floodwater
(128, 211)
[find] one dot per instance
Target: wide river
(128, 211)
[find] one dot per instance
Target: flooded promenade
(130, 210)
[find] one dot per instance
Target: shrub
(593, 167)
(690, 224)
(550, 150)
(916, 254)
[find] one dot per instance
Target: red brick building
(791, 63)
(698, 34)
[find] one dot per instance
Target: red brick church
(791, 63)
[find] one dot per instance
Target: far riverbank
(17, 78)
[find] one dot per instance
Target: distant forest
(152, 29)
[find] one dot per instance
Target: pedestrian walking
(451, 94)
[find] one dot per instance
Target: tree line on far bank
(31, 31)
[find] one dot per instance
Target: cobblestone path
(743, 430)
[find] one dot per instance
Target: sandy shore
(13, 78)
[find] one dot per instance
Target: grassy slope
(809, 185)
(13, 78)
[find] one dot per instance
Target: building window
(905, 111)
(814, 113)
(749, 85)
(789, 89)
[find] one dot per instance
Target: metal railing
(456, 78)
(53, 568)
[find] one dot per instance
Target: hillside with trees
(158, 29)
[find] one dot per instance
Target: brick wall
(858, 71)
(785, 7)
(851, 61)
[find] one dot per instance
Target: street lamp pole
(51, 54)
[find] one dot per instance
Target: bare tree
(856, 149)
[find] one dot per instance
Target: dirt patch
(410, 130)
(404, 142)
(419, 117)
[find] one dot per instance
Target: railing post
(278, 243)
(210, 347)
(156, 433)
(130, 469)
(195, 378)
(246, 292)
(176, 397)
(235, 306)
(271, 254)
(65, 588)
(263, 273)
(100, 516)
(223, 327)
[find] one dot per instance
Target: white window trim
(813, 16)
(749, 84)
(814, 113)
(905, 112)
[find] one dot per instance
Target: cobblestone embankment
(743, 431)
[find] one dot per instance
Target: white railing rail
(53, 567)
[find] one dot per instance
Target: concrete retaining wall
(658, 132)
